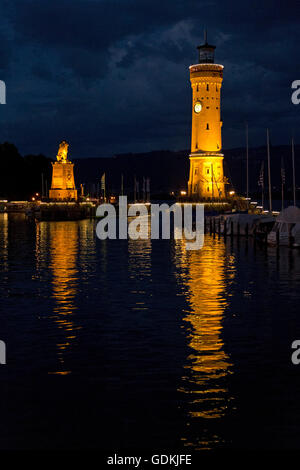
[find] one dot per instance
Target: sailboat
(286, 230)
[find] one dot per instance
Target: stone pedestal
(63, 183)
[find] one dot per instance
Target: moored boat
(286, 230)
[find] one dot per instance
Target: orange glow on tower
(206, 178)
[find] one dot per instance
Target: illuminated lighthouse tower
(206, 160)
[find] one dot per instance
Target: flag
(261, 175)
(103, 181)
(282, 172)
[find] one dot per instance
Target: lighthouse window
(207, 107)
(216, 88)
(207, 189)
(196, 171)
(207, 87)
(207, 171)
(207, 127)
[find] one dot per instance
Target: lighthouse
(206, 179)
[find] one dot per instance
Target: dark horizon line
(184, 151)
(163, 150)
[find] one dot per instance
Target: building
(63, 183)
(206, 179)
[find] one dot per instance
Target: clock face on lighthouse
(197, 107)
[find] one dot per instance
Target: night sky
(111, 76)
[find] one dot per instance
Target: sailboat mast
(282, 183)
(269, 172)
(134, 189)
(294, 178)
(247, 162)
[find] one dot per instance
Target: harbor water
(141, 344)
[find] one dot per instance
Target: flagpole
(247, 161)
(261, 182)
(148, 188)
(294, 177)
(103, 186)
(269, 172)
(122, 185)
(263, 187)
(42, 185)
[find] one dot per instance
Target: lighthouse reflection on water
(206, 275)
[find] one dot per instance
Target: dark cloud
(112, 75)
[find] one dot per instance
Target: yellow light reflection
(4, 241)
(64, 249)
(57, 247)
(206, 275)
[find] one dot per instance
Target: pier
(64, 210)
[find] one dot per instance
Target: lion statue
(62, 155)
